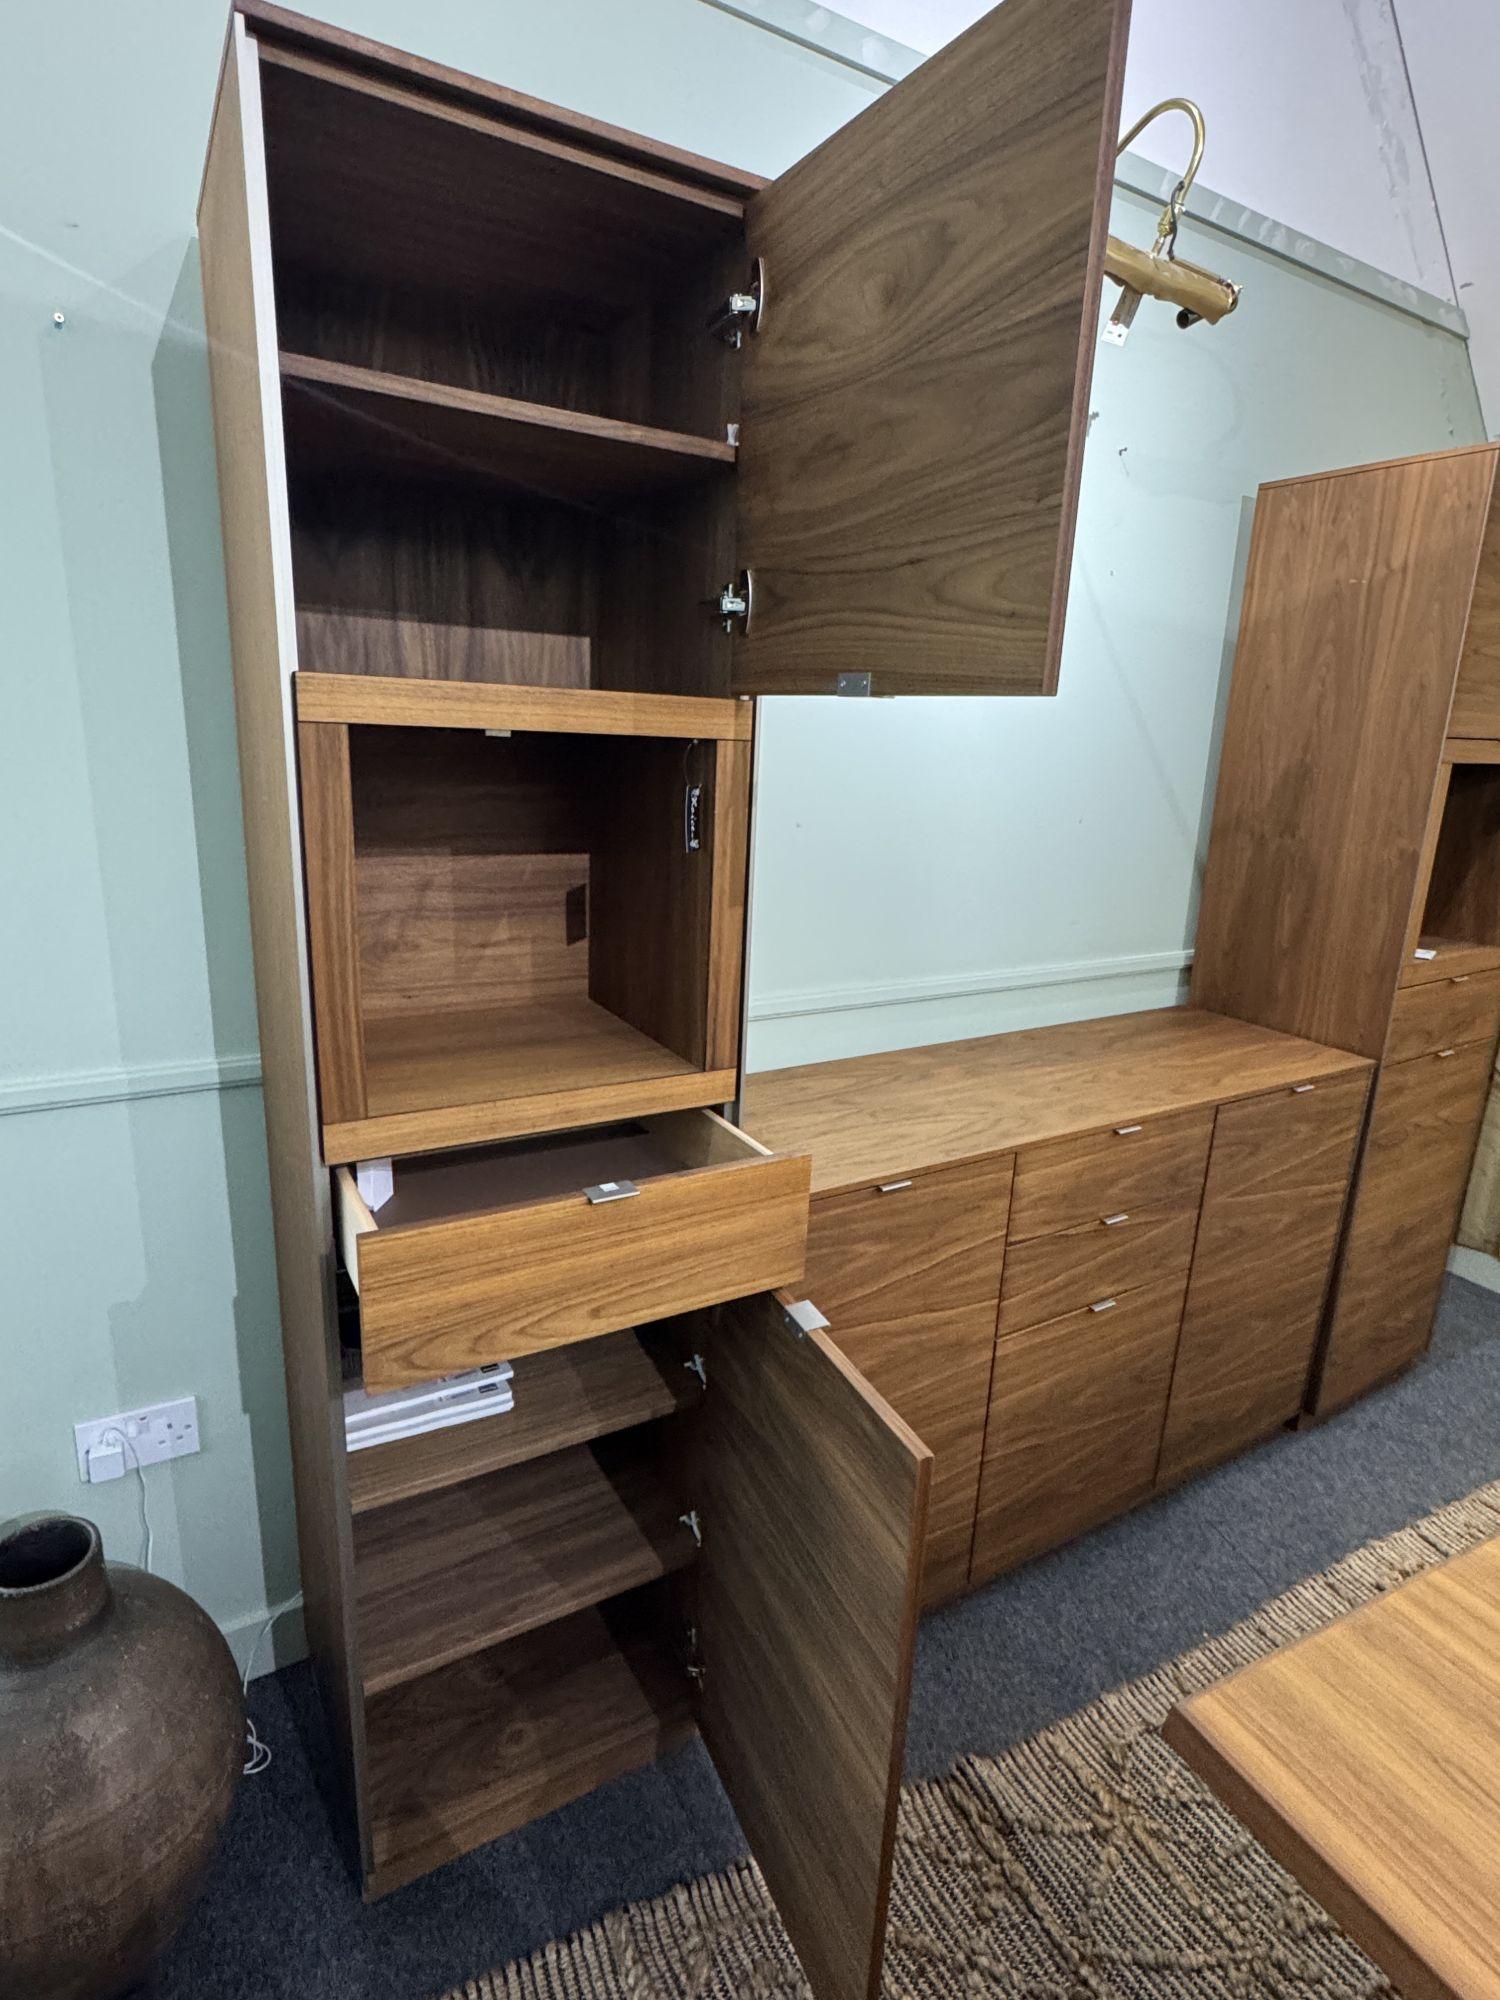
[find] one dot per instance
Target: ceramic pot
(122, 1737)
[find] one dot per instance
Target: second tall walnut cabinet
(544, 449)
(1353, 884)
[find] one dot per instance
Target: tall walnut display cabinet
(1353, 884)
(543, 448)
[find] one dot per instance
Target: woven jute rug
(1084, 1864)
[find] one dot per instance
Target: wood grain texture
(346, 421)
(1049, 1276)
(332, 917)
(1353, 621)
(444, 1296)
(870, 1116)
(1451, 956)
(1441, 1014)
(813, 1496)
(488, 1744)
(915, 397)
(1140, 1164)
(565, 1396)
(1463, 896)
(1075, 1423)
(730, 904)
(1472, 750)
(908, 1282)
(1278, 1179)
(405, 703)
(1366, 1758)
(240, 317)
(282, 26)
(379, 646)
(1423, 1124)
(1476, 699)
(453, 1572)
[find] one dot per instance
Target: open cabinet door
(813, 1504)
(916, 396)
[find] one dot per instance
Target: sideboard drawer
(502, 1250)
(1153, 1163)
(1076, 1414)
(1444, 1014)
(1048, 1276)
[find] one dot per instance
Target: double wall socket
(109, 1447)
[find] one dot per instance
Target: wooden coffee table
(1366, 1758)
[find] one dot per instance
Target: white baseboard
(1475, 1265)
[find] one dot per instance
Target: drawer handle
(1443, 1054)
(1458, 978)
(1109, 1221)
(1299, 1088)
(603, 1191)
(1103, 1305)
(1124, 1131)
(892, 1187)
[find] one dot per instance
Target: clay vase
(122, 1737)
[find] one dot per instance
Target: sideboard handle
(892, 1187)
(1102, 1305)
(1109, 1221)
(1124, 1131)
(1299, 1088)
(1443, 1054)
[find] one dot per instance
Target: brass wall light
(1159, 273)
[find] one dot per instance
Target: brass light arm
(1159, 273)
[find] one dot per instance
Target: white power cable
(132, 1461)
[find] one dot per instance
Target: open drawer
(497, 1251)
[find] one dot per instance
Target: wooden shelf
(482, 1747)
(340, 418)
(564, 1397)
(1455, 959)
(396, 701)
(536, 1066)
(451, 1573)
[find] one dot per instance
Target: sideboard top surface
(868, 1117)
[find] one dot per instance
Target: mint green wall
(918, 857)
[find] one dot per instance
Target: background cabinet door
(813, 1500)
(915, 399)
(910, 1282)
(1416, 1159)
(1278, 1176)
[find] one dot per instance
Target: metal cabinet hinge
(697, 1366)
(742, 311)
(735, 603)
(854, 684)
(802, 1316)
(692, 818)
(697, 1673)
(691, 1522)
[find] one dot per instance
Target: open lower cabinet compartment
(521, 924)
(713, 1522)
(1460, 926)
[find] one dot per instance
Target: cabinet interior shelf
(492, 1742)
(565, 1396)
(452, 1573)
(341, 418)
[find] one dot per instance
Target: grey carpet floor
(281, 1919)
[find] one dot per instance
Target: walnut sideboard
(1082, 1262)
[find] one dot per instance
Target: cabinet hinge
(742, 311)
(697, 1366)
(697, 1673)
(692, 818)
(690, 1521)
(854, 684)
(735, 603)
(802, 1316)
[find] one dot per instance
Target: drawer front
(1076, 1415)
(1278, 1179)
(1410, 1186)
(909, 1282)
(1048, 1276)
(442, 1296)
(1444, 1014)
(1153, 1163)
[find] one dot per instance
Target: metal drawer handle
(609, 1191)
(1124, 1131)
(1299, 1088)
(1458, 978)
(1109, 1221)
(1102, 1305)
(892, 1187)
(1443, 1054)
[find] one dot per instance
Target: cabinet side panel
(1354, 615)
(235, 249)
(1476, 702)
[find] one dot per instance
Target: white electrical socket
(151, 1434)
